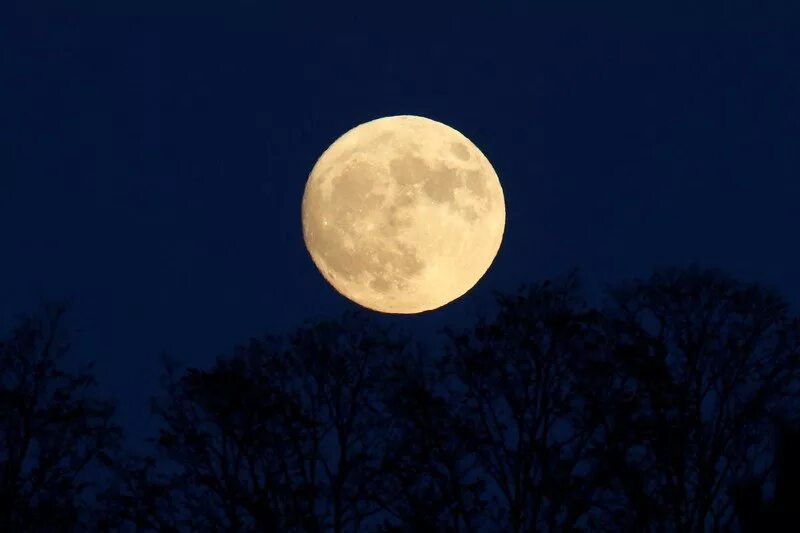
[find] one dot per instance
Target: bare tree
(227, 434)
(550, 416)
(284, 435)
(780, 510)
(514, 390)
(340, 367)
(699, 363)
(140, 496)
(431, 477)
(52, 430)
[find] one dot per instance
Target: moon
(403, 214)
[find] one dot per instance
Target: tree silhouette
(781, 510)
(431, 479)
(138, 496)
(515, 391)
(644, 414)
(699, 363)
(284, 435)
(52, 430)
(340, 368)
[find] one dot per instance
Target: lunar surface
(403, 214)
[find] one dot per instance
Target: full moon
(403, 214)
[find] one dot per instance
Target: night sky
(152, 164)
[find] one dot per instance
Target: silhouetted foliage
(653, 412)
(284, 435)
(515, 391)
(781, 510)
(51, 429)
(430, 476)
(700, 361)
(138, 497)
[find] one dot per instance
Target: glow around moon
(403, 214)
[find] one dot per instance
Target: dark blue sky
(152, 165)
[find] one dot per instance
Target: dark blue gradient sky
(152, 163)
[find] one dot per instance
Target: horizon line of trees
(670, 407)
